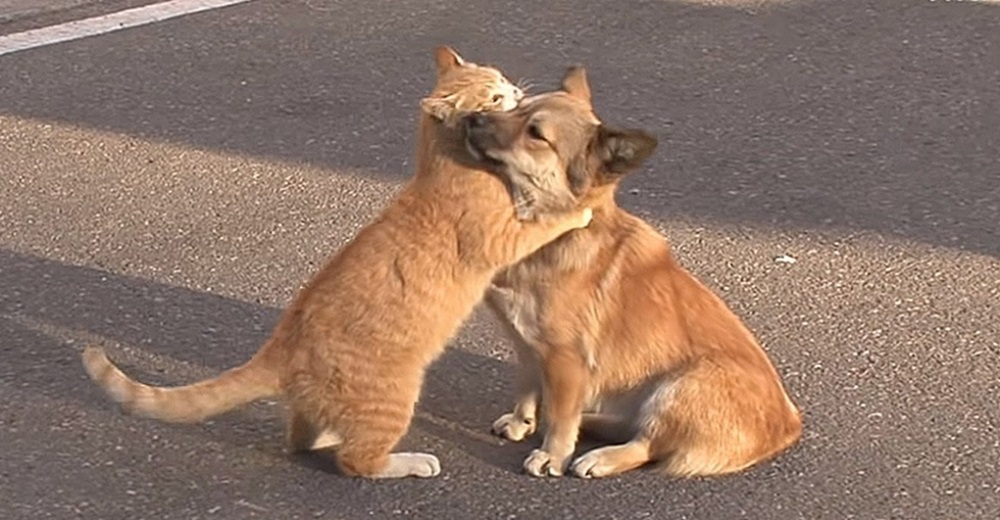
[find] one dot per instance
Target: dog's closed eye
(535, 132)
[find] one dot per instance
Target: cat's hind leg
(304, 436)
(374, 460)
(371, 428)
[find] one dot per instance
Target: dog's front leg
(522, 421)
(565, 378)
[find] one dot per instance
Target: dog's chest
(522, 310)
(526, 291)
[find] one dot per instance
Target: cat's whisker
(524, 84)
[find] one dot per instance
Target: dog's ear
(447, 59)
(623, 150)
(575, 83)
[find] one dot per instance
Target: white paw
(425, 465)
(543, 464)
(405, 464)
(590, 465)
(326, 439)
(513, 429)
(588, 215)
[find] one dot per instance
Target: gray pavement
(165, 190)
(14, 9)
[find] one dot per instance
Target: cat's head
(464, 87)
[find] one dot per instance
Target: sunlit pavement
(830, 167)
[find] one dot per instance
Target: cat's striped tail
(183, 404)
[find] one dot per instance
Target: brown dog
(350, 352)
(606, 322)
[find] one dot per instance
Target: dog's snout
(475, 120)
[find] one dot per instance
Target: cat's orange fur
(350, 352)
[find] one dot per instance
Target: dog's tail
(184, 404)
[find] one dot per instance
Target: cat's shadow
(170, 335)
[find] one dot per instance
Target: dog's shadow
(168, 335)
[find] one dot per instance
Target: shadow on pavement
(853, 461)
(168, 335)
(824, 114)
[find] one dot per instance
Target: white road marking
(107, 23)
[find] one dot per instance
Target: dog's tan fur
(613, 336)
(350, 352)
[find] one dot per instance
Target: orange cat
(350, 352)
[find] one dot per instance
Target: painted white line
(107, 23)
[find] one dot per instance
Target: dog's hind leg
(612, 460)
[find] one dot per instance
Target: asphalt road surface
(166, 189)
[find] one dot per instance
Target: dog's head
(464, 87)
(556, 139)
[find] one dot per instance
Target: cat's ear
(575, 83)
(447, 59)
(438, 108)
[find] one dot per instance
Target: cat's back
(399, 280)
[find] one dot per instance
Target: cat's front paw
(405, 464)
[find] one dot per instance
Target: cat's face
(554, 138)
(463, 87)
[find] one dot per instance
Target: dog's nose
(475, 120)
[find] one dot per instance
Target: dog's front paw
(544, 464)
(512, 428)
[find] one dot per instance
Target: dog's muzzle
(475, 120)
(478, 136)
